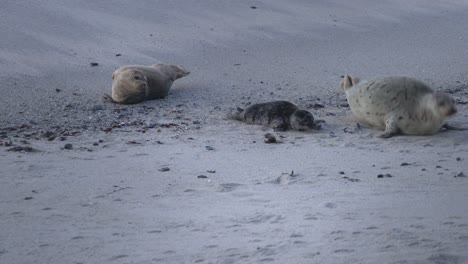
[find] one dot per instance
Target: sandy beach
(83, 180)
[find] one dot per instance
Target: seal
(398, 105)
(280, 115)
(135, 83)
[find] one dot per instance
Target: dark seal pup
(135, 83)
(280, 115)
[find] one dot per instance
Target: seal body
(136, 83)
(398, 105)
(280, 115)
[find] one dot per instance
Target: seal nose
(452, 111)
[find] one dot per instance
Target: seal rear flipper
(181, 71)
(235, 114)
(347, 82)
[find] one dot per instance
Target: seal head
(303, 120)
(445, 104)
(130, 86)
(136, 83)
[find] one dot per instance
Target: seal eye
(136, 77)
(442, 104)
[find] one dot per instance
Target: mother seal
(135, 83)
(398, 105)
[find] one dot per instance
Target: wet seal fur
(398, 105)
(136, 83)
(280, 115)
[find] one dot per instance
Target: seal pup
(280, 115)
(398, 105)
(135, 83)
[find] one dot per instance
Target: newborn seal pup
(280, 115)
(135, 83)
(398, 105)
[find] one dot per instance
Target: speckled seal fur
(136, 83)
(280, 115)
(398, 105)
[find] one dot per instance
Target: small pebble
(253, 7)
(459, 159)
(460, 175)
(405, 164)
(384, 175)
(341, 172)
(94, 64)
(68, 146)
(164, 169)
(202, 176)
(317, 106)
(97, 108)
(351, 179)
(209, 148)
(28, 198)
(270, 138)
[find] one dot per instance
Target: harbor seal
(280, 115)
(135, 83)
(398, 105)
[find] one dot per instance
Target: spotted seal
(398, 105)
(280, 115)
(135, 83)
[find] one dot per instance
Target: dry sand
(173, 181)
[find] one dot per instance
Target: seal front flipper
(450, 127)
(280, 127)
(391, 128)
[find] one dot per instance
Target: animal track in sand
(228, 187)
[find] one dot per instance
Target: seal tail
(348, 82)
(235, 114)
(181, 71)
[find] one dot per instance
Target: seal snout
(452, 111)
(314, 125)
